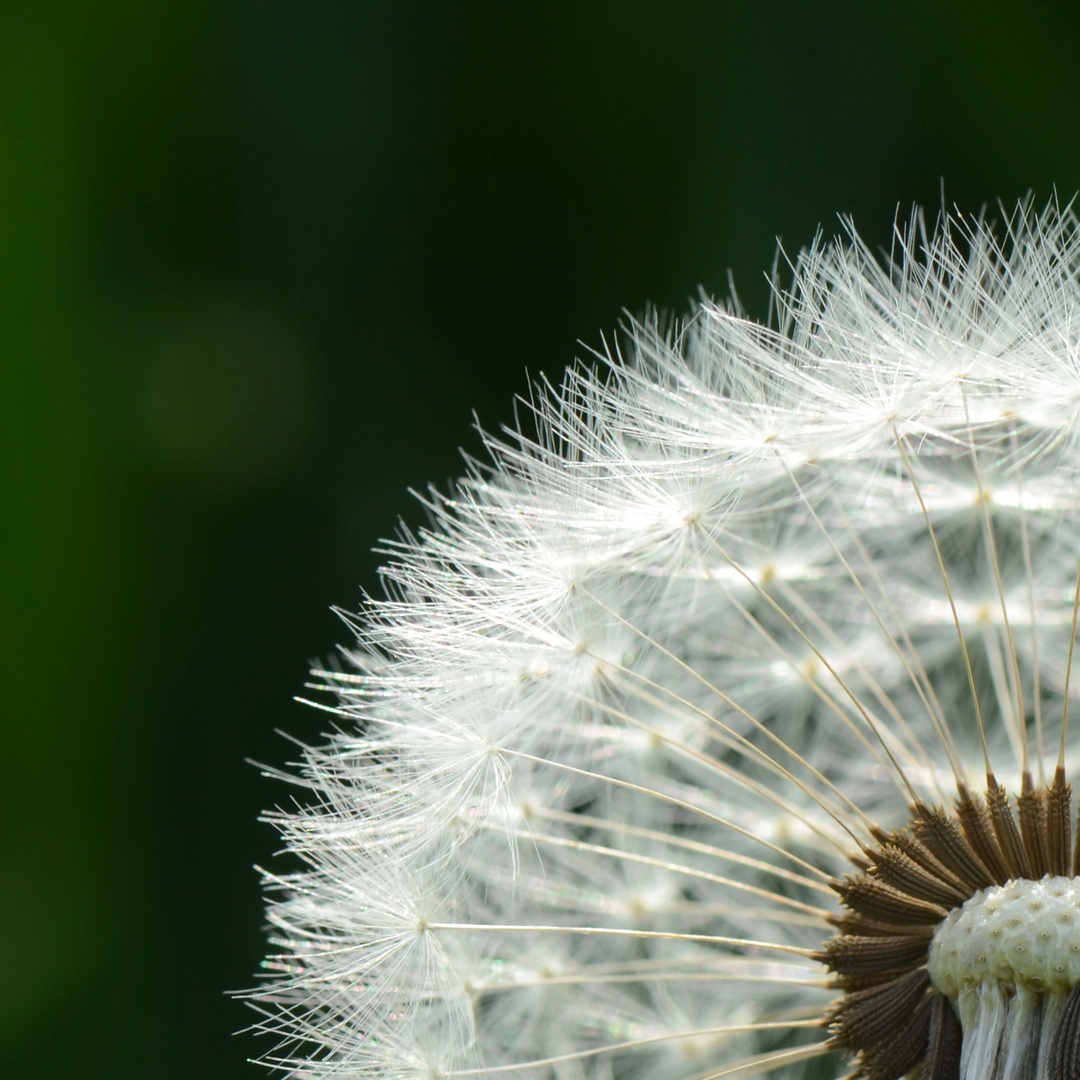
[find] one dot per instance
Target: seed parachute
(719, 724)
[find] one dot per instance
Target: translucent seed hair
(715, 712)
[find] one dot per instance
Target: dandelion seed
(719, 726)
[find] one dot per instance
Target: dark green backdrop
(258, 261)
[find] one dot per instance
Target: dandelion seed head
(718, 725)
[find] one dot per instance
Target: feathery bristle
(663, 753)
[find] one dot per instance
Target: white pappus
(701, 715)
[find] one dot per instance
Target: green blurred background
(259, 262)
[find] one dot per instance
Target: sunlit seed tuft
(713, 726)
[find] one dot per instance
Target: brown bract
(890, 1015)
